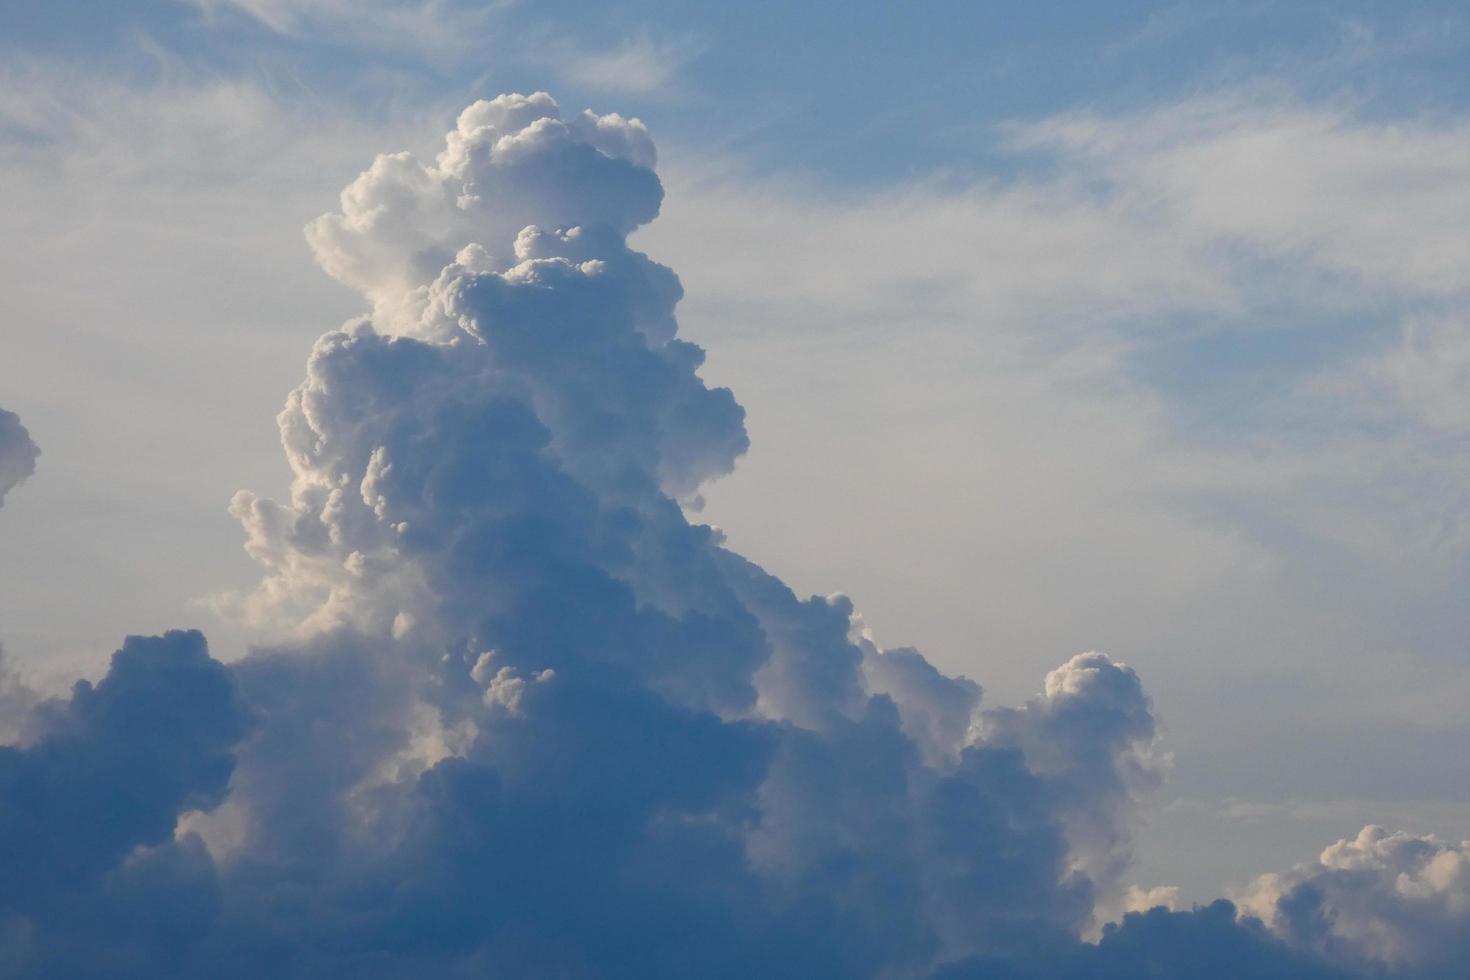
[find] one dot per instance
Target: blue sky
(1139, 328)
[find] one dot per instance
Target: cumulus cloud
(17, 453)
(536, 721)
(1393, 900)
(491, 467)
(96, 882)
(533, 720)
(1090, 736)
(510, 164)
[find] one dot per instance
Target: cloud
(1090, 736)
(532, 719)
(95, 878)
(1423, 376)
(403, 221)
(1391, 900)
(175, 169)
(443, 28)
(18, 453)
(1246, 200)
(638, 66)
(1096, 380)
(1378, 202)
(1430, 372)
(517, 442)
(16, 700)
(1209, 943)
(484, 524)
(536, 721)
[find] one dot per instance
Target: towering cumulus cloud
(17, 453)
(533, 721)
(593, 740)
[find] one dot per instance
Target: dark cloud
(1208, 943)
(95, 876)
(535, 721)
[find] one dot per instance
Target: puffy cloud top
(1090, 735)
(509, 163)
(1387, 899)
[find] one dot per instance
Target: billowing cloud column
(531, 721)
(588, 716)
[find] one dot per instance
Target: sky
(1130, 338)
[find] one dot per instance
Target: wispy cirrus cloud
(1291, 237)
(444, 29)
(1421, 376)
(1379, 201)
(641, 65)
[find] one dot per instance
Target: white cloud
(1424, 376)
(1397, 899)
(1381, 202)
(1179, 209)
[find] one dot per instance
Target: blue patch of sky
(1223, 379)
(873, 92)
(862, 93)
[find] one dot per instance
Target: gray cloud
(17, 453)
(96, 882)
(1089, 737)
(1209, 943)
